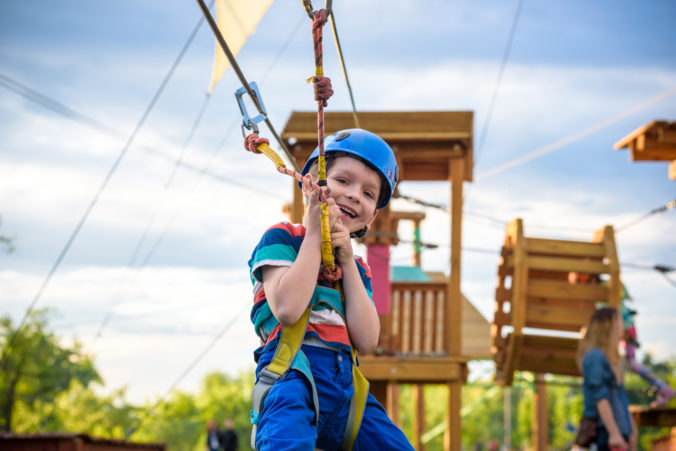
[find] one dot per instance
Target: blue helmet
(370, 148)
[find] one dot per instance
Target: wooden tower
(539, 312)
(537, 308)
(423, 348)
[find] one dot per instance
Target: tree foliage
(35, 369)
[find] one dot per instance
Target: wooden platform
(423, 141)
(658, 417)
(413, 370)
(655, 141)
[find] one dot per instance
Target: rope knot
(333, 274)
(252, 141)
(323, 89)
(319, 20)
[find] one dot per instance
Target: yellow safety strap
(359, 397)
(271, 154)
(289, 343)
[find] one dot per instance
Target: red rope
(322, 84)
(252, 141)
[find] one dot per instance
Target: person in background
(603, 382)
(213, 443)
(663, 390)
(228, 436)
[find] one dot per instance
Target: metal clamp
(307, 4)
(248, 122)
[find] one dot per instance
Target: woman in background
(603, 382)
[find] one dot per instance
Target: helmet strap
(359, 233)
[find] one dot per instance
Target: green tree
(177, 421)
(222, 396)
(35, 368)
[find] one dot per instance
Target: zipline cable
(242, 78)
(100, 190)
(355, 116)
(151, 219)
(188, 369)
(64, 110)
(501, 71)
(169, 224)
(575, 136)
(661, 209)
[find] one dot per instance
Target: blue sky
(572, 65)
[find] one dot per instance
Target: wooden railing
(415, 325)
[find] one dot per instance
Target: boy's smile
(355, 187)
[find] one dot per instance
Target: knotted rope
(254, 143)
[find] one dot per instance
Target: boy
(308, 407)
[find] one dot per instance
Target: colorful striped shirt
(279, 246)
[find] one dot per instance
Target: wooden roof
(655, 141)
(423, 141)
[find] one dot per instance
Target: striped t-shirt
(279, 246)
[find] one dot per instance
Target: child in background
(308, 410)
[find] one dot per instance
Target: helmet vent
(342, 135)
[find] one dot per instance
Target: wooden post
(379, 390)
(452, 438)
(454, 298)
(606, 236)
(540, 419)
(453, 330)
(392, 405)
(419, 402)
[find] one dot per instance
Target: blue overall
(287, 419)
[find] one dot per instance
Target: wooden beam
(568, 291)
(452, 434)
(656, 417)
(625, 142)
(395, 135)
(672, 170)
(567, 265)
(419, 403)
(564, 248)
(405, 370)
(606, 236)
(552, 365)
(557, 317)
(454, 296)
(392, 407)
(540, 418)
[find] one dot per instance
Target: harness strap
(288, 355)
(357, 405)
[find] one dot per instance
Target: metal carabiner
(247, 121)
(307, 4)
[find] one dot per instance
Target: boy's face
(355, 188)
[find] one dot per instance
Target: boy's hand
(313, 211)
(340, 234)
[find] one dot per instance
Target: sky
(155, 283)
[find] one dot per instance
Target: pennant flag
(237, 20)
